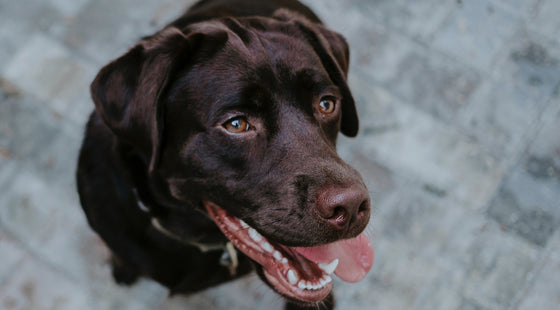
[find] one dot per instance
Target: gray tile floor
(459, 144)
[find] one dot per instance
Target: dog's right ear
(128, 91)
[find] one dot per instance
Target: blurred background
(459, 144)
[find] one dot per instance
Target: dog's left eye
(327, 105)
(237, 125)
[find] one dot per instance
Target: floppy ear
(335, 56)
(339, 48)
(128, 92)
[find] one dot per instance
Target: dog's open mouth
(299, 273)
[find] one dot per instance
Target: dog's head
(239, 118)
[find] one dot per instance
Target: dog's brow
(250, 100)
(313, 79)
(330, 89)
(248, 106)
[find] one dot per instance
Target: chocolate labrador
(212, 153)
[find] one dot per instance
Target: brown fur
(156, 135)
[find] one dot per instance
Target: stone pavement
(459, 144)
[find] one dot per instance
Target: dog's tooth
(243, 224)
(330, 267)
(254, 235)
(284, 260)
(301, 284)
(328, 279)
(292, 277)
(277, 255)
(267, 247)
(309, 285)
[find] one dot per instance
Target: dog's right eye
(237, 125)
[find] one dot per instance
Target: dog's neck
(229, 257)
(142, 187)
(156, 223)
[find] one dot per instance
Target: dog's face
(240, 118)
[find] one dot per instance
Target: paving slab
(545, 290)
(378, 54)
(43, 220)
(49, 71)
(416, 19)
(416, 144)
(476, 32)
(545, 19)
(503, 113)
(527, 9)
(528, 202)
(20, 20)
(35, 286)
(99, 32)
(25, 129)
(498, 266)
(68, 9)
(434, 83)
(11, 254)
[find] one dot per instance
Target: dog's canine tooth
(292, 277)
(254, 235)
(243, 224)
(267, 247)
(330, 267)
(277, 255)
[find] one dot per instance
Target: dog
(211, 153)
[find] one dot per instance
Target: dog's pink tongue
(355, 257)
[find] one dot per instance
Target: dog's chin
(305, 279)
(291, 297)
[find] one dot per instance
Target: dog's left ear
(335, 56)
(339, 48)
(334, 53)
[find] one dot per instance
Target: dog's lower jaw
(326, 303)
(286, 271)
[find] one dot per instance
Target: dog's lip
(312, 284)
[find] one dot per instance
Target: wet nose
(344, 207)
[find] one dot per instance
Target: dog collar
(229, 256)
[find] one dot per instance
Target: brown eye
(326, 106)
(237, 125)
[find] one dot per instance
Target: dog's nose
(344, 207)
